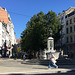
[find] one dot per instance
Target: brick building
(4, 15)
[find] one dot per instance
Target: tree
(34, 37)
(54, 23)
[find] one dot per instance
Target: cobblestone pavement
(12, 67)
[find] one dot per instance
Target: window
(66, 16)
(70, 21)
(67, 40)
(74, 19)
(2, 42)
(67, 22)
(70, 29)
(62, 20)
(74, 38)
(71, 39)
(66, 30)
(74, 28)
(72, 13)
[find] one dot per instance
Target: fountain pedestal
(50, 48)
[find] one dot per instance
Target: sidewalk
(6, 70)
(10, 66)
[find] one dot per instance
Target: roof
(71, 9)
(4, 15)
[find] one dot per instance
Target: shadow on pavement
(58, 73)
(62, 63)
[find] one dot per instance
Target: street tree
(34, 37)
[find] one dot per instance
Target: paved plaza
(12, 67)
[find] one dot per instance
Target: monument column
(50, 44)
(50, 47)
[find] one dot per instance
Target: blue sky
(22, 10)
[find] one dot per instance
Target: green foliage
(34, 37)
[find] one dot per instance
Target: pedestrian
(24, 57)
(0, 55)
(62, 53)
(52, 61)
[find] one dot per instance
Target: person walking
(0, 55)
(24, 57)
(52, 61)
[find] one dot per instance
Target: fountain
(50, 47)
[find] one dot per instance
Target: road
(12, 67)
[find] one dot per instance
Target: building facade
(67, 20)
(70, 30)
(7, 34)
(4, 15)
(4, 33)
(61, 41)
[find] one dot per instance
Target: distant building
(18, 45)
(18, 42)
